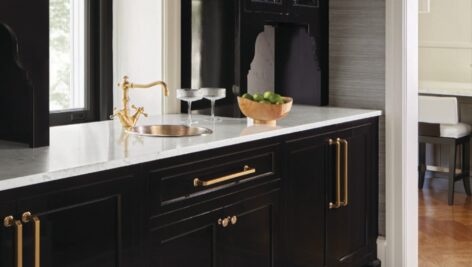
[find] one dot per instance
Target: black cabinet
(64, 224)
(265, 6)
(218, 208)
(307, 199)
(301, 42)
(244, 233)
(332, 191)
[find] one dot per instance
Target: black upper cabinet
(265, 6)
(219, 45)
(93, 225)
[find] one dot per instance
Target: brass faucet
(127, 120)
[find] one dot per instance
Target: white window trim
(402, 133)
(171, 53)
(77, 75)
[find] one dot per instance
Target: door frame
(401, 133)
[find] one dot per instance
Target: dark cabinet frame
(283, 218)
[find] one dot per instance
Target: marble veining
(93, 147)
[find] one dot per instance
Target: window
(67, 55)
(80, 60)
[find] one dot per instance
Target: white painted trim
(171, 53)
(402, 133)
(382, 249)
(446, 45)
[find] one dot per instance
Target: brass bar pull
(346, 172)
(246, 171)
(338, 202)
(8, 222)
(26, 218)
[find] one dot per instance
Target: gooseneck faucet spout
(127, 120)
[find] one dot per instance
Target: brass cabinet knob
(234, 220)
(224, 222)
(8, 221)
(26, 217)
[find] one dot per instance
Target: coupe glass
(214, 94)
(189, 96)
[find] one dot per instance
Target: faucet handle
(115, 113)
(139, 110)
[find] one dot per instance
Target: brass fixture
(8, 222)
(127, 120)
(234, 220)
(346, 172)
(338, 202)
(168, 130)
(224, 222)
(341, 203)
(246, 171)
(27, 217)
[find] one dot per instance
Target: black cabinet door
(304, 212)
(95, 226)
(251, 237)
(8, 234)
(264, 6)
(186, 242)
(352, 230)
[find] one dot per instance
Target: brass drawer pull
(246, 171)
(346, 172)
(338, 202)
(26, 218)
(8, 222)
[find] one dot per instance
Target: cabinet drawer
(186, 183)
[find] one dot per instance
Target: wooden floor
(445, 232)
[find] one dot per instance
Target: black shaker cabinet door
(93, 226)
(187, 242)
(8, 234)
(304, 213)
(352, 229)
(251, 237)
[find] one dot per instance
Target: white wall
(446, 41)
(137, 50)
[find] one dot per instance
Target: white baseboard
(382, 250)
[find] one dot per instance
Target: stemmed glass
(189, 96)
(214, 94)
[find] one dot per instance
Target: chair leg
(452, 172)
(466, 167)
(422, 165)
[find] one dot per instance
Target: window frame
(98, 67)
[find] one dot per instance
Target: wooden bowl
(265, 114)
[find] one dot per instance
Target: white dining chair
(440, 125)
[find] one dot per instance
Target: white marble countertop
(93, 147)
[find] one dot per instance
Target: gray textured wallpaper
(357, 65)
